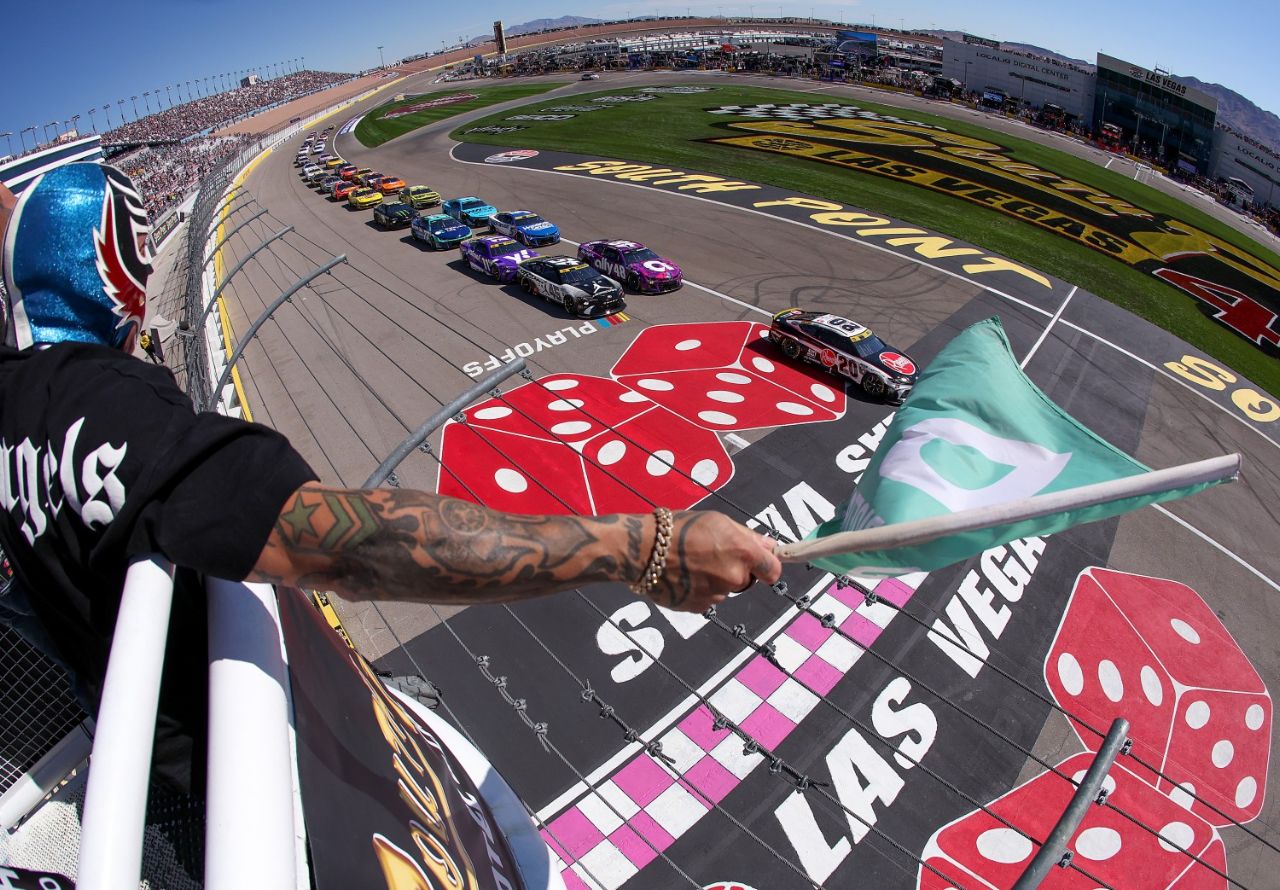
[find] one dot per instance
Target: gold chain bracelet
(663, 520)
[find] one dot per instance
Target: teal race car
(472, 211)
(441, 232)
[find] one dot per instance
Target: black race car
(394, 215)
(580, 289)
(846, 349)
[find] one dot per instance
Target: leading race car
(496, 255)
(846, 349)
(580, 289)
(440, 231)
(526, 227)
(633, 264)
(471, 210)
(395, 215)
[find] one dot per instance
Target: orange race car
(390, 184)
(343, 188)
(346, 171)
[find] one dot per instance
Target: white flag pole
(907, 534)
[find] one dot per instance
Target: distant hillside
(564, 21)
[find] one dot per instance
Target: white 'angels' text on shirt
(36, 482)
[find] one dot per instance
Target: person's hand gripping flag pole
(977, 457)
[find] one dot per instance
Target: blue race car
(472, 211)
(440, 231)
(496, 255)
(526, 227)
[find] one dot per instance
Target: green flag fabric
(977, 433)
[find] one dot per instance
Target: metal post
(227, 237)
(418, 436)
(199, 325)
(262, 319)
(1055, 845)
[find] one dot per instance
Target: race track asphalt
(380, 343)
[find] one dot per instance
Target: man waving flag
(977, 457)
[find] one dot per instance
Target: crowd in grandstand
(165, 174)
(209, 112)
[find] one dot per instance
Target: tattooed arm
(412, 545)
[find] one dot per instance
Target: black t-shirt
(104, 460)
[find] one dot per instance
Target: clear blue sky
(64, 56)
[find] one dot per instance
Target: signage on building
(980, 41)
(1158, 79)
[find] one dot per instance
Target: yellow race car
(334, 163)
(419, 196)
(362, 199)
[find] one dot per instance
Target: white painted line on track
(1049, 327)
(1221, 548)
(956, 275)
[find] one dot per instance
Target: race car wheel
(526, 285)
(791, 349)
(572, 306)
(633, 281)
(873, 386)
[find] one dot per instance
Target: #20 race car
(394, 215)
(846, 349)
(580, 289)
(362, 198)
(635, 265)
(440, 231)
(472, 211)
(496, 255)
(526, 227)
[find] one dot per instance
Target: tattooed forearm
(414, 545)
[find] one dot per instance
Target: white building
(1236, 156)
(983, 67)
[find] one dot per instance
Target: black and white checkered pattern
(802, 111)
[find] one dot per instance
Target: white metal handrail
(250, 834)
(116, 798)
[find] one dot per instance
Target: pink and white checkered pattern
(646, 805)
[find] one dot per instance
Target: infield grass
(375, 129)
(666, 131)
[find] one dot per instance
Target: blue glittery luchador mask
(75, 259)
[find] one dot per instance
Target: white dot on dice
(1177, 835)
(1003, 845)
(561, 384)
(1222, 753)
(1246, 791)
(1254, 716)
(1184, 630)
(1098, 843)
(1070, 674)
(565, 405)
(1183, 795)
(1152, 688)
(731, 377)
(495, 412)
(705, 472)
(719, 418)
(762, 364)
(660, 463)
(611, 452)
(509, 480)
(1197, 714)
(795, 408)
(1109, 677)
(632, 397)
(721, 395)
(686, 345)
(655, 385)
(825, 393)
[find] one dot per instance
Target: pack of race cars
(592, 283)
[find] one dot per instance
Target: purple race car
(635, 265)
(496, 255)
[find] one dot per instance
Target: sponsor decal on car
(430, 103)
(896, 362)
(507, 157)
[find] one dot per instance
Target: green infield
(397, 118)
(1138, 247)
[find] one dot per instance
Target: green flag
(977, 457)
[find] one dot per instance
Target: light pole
(168, 95)
(120, 108)
(381, 62)
(107, 111)
(146, 97)
(93, 120)
(34, 141)
(75, 123)
(8, 142)
(966, 75)
(134, 100)
(46, 127)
